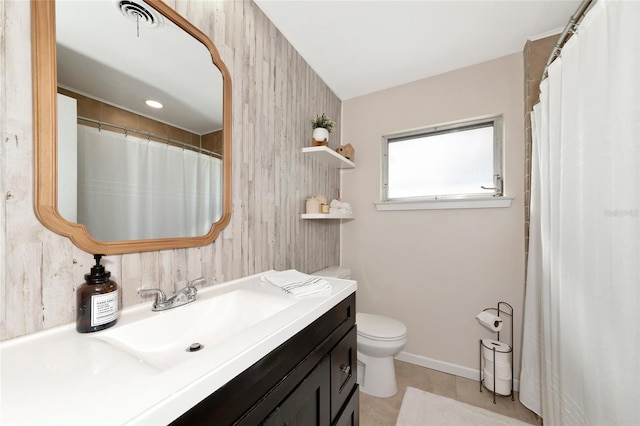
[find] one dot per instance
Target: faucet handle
(191, 287)
(160, 296)
(200, 280)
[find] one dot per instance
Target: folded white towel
(336, 204)
(339, 211)
(297, 283)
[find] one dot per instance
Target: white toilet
(380, 338)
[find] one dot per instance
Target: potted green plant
(322, 126)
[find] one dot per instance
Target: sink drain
(195, 347)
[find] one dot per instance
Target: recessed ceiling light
(153, 104)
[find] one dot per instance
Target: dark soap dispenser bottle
(96, 300)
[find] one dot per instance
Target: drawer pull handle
(346, 369)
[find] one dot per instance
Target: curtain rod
(568, 30)
(150, 135)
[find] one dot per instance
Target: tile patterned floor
(383, 411)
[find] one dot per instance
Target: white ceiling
(360, 47)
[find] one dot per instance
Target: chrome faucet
(182, 297)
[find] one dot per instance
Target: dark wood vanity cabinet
(308, 380)
(322, 397)
(308, 404)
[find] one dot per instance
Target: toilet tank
(335, 271)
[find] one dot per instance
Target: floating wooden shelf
(329, 156)
(326, 216)
(332, 159)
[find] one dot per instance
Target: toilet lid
(379, 327)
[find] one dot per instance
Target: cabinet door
(350, 416)
(343, 371)
(308, 404)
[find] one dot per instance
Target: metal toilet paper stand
(506, 310)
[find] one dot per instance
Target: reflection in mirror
(135, 178)
(130, 177)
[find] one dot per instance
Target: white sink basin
(163, 340)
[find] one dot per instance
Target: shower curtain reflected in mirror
(581, 339)
(135, 189)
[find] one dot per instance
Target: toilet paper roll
(490, 321)
(502, 371)
(503, 387)
(503, 351)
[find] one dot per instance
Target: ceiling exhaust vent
(140, 13)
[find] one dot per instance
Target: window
(454, 161)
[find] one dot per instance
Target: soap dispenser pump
(96, 300)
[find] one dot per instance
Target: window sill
(449, 203)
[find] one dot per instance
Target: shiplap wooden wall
(275, 93)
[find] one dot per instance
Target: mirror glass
(127, 171)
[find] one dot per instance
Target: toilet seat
(378, 327)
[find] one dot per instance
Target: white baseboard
(445, 367)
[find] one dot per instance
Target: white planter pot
(320, 134)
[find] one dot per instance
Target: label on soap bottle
(104, 308)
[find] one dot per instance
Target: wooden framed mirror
(106, 101)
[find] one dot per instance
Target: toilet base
(378, 376)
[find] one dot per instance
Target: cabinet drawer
(343, 371)
(350, 416)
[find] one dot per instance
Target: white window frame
(448, 201)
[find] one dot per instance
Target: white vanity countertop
(61, 377)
